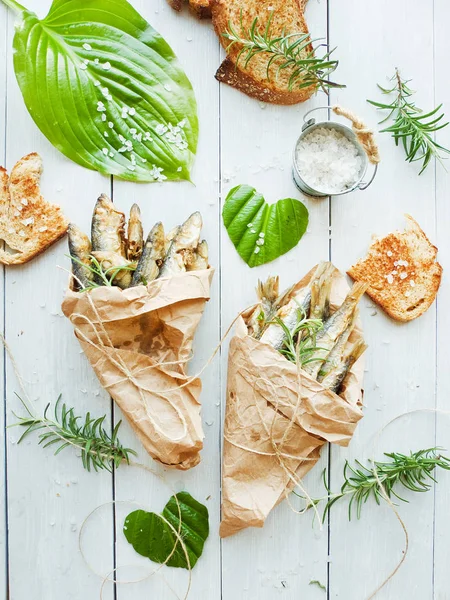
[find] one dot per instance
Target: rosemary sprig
(293, 51)
(300, 343)
(106, 276)
(411, 126)
(99, 449)
(412, 472)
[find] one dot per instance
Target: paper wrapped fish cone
(277, 419)
(138, 342)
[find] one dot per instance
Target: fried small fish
(299, 303)
(135, 237)
(337, 352)
(266, 308)
(110, 261)
(80, 252)
(108, 228)
(334, 378)
(198, 259)
(154, 251)
(334, 327)
(321, 291)
(186, 239)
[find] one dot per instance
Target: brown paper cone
(138, 342)
(277, 419)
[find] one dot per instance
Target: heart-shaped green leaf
(106, 89)
(261, 232)
(151, 537)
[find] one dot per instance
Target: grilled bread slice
(402, 272)
(28, 224)
(287, 16)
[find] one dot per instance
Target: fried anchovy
(108, 228)
(80, 249)
(334, 379)
(154, 250)
(333, 328)
(135, 237)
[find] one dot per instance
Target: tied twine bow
(363, 133)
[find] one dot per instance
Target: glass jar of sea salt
(328, 159)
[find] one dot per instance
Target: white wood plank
(197, 48)
(401, 359)
(442, 518)
(49, 496)
(257, 144)
(3, 516)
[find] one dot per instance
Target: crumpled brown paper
(138, 342)
(273, 433)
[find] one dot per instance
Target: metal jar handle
(363, 185)
(309, 122)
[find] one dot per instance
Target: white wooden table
(44, 499)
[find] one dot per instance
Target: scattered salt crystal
(103, 117)
(24, 201)
(132, 111)
(83, 66)
(390, 278)
(28, 221)
(110, 124)
(107, 66)
(252, 230)
(403, 275)
(105, 151)
(96, 61)
(111, 154)
(11, 230)
(412, 283)
(327, 161)
(407, 294)
(179, 169)
(262, 234)
(167, 88)
(249, 225)
(389, 253)
(257, 250)
(87, 46)
(105, 134)
(22, 233)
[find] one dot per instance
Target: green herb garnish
(299, 344)
(153, 538)
(412, 472)
(99, 449)
(293, 52)
(106, 89)
(412, 126)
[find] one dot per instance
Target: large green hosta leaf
(106, 89)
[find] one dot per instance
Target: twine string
(365, 135)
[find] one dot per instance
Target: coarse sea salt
(327, 161)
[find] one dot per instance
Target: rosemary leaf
(410, 126)
(296, 52)
(412, 472)
(99, 449)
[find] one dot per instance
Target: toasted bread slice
(287, 16)
(28, 224)
(402, 272)
(200, 8)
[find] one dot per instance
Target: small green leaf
(261, 232)
(151, 537)
(107, 90)
(317, 582)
